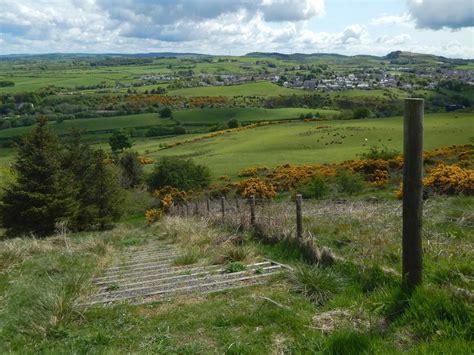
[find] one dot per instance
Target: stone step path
(148, 274)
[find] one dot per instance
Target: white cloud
(390, 20)
(394, 40)
(436, 14)
(183, 20)
(206, 26)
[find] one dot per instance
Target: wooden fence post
(299, 217)
(196, 208)
(412, 192)
(223, 207)
(208, 206)
(252, 211)
(187, 209)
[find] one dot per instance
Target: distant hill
(396, 57)
(103, 55)
(400, 57)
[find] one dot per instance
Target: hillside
(311, 142)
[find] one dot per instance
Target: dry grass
(201, 242)
(365, 232)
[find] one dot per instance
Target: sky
(236, 27)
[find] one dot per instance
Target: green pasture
(193, 117)
(299, 143)
(95, 124)
(251, 114)
(261, 88)
(370, 93)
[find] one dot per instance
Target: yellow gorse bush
(255, 187)
(145, 161)
(153, 215)
(450, 179)
(168, 196)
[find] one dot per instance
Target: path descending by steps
(147, 274)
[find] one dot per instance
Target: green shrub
(348, 182)
(383, 153)
(316, 188)
(233, 123)
(235, 266)
(360, 113)
(182, 174)
(166, 113)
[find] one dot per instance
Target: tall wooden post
(252, 211)
(196, 208)
(299, 217)
(208, 206)
(412, 192)
(223, 207)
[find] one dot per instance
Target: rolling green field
(262, 88)
(95, 124)
(192, 117)
(218, 115)
(299, 143)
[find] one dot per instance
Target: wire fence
(281, 217)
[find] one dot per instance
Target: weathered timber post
(196, 208)
(223, 207)
(187, 209)
(208, 206)
(299, 217)
(252, 211)
(412, 192)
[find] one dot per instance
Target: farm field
(95, 124)
(195, 117)
(219, 115)
(263, 88)
(299, 143)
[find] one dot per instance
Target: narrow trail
(149, 273)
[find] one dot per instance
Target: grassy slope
(297, 313)
(297, 142)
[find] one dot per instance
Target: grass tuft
(319, 285)
(348, 342)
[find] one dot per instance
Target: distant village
(361, 79)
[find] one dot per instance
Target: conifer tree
(42, 194)
(102, 196)
(132, 170)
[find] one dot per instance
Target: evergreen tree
(132, 170)
(42, 194)
(102, 197)
(78, 157)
